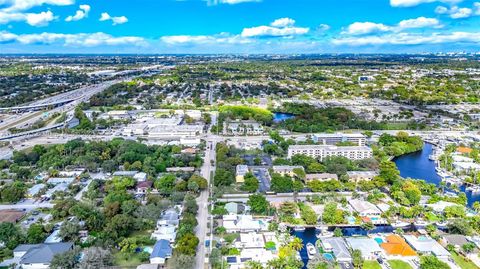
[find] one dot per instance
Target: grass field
(397, 264)
(462, 262)
(371, 265)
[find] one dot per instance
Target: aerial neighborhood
(240, 162)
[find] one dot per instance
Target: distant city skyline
(239, 26)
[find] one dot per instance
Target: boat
(400, 224)
(299, 229)
(441, 225)
(420, 224)
(473, 189)
(311, 251)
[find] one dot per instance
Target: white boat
(420, 224)
(441, 225)
(299, 229)
(400, 224)
(311, 251)
(473, 189)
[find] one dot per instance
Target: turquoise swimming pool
(328, 256)
(378, 240)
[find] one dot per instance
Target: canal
(417, 166)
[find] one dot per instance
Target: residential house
(35, 190)
(456, 240)
(144, 186)
(171, 217)
(338, 246)
(286, 169)
(368, 246)
(39, 256)
(357, 176)
(164, 231)
(235, 208)
(243, 223)
(396, 246)
(140, 177)
(60, 180)
(427, 245)
(161, 252)
(364, 208)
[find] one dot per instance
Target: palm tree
(296, 244)
(476, 206)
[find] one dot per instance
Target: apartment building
(323, 151)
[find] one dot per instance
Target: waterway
(417, 166)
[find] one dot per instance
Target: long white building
(323, 151)
(333, 139)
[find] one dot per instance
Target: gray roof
(340, 249)
(456, 239)
(42, 253)
(161, 249)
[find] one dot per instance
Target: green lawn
(397, 264)
(371, 265)
(125, 260)
(462, 262)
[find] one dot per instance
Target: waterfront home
(427, 245)
(161, 252)
(357, 176)
(364, 208)
(456, 240)
(338, 246)
(369, 247)
(39, 256)
(397, 246)
(262, 256)
(321, 177)
(124, 173)
(286, 169)
(439, 207)
(243, 223)
(466, 166)
(241, 171)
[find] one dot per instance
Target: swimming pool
(328, 256)
(378, 240)
(148, 250)
(351, 220)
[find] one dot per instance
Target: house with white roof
(427, 245)
(364, 208)
(243, 223)
(369, 247)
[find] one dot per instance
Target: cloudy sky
(239, 26)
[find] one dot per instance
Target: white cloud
(412, 3)
(323, 27)
(362, 28)
(266, 31)
(73, 40)
(460, 13)
(80, 14)
(21, 5)
(441, 10)
(115, 20)
(40, 19)
(283, 22)
(411, 39)
(33, 19)
(222, 38)
(456, 12)
(420, 22)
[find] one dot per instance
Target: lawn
(126, 260)
(397, 264)
(371, 265)
(462, 262)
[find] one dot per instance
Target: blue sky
(239, 26)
